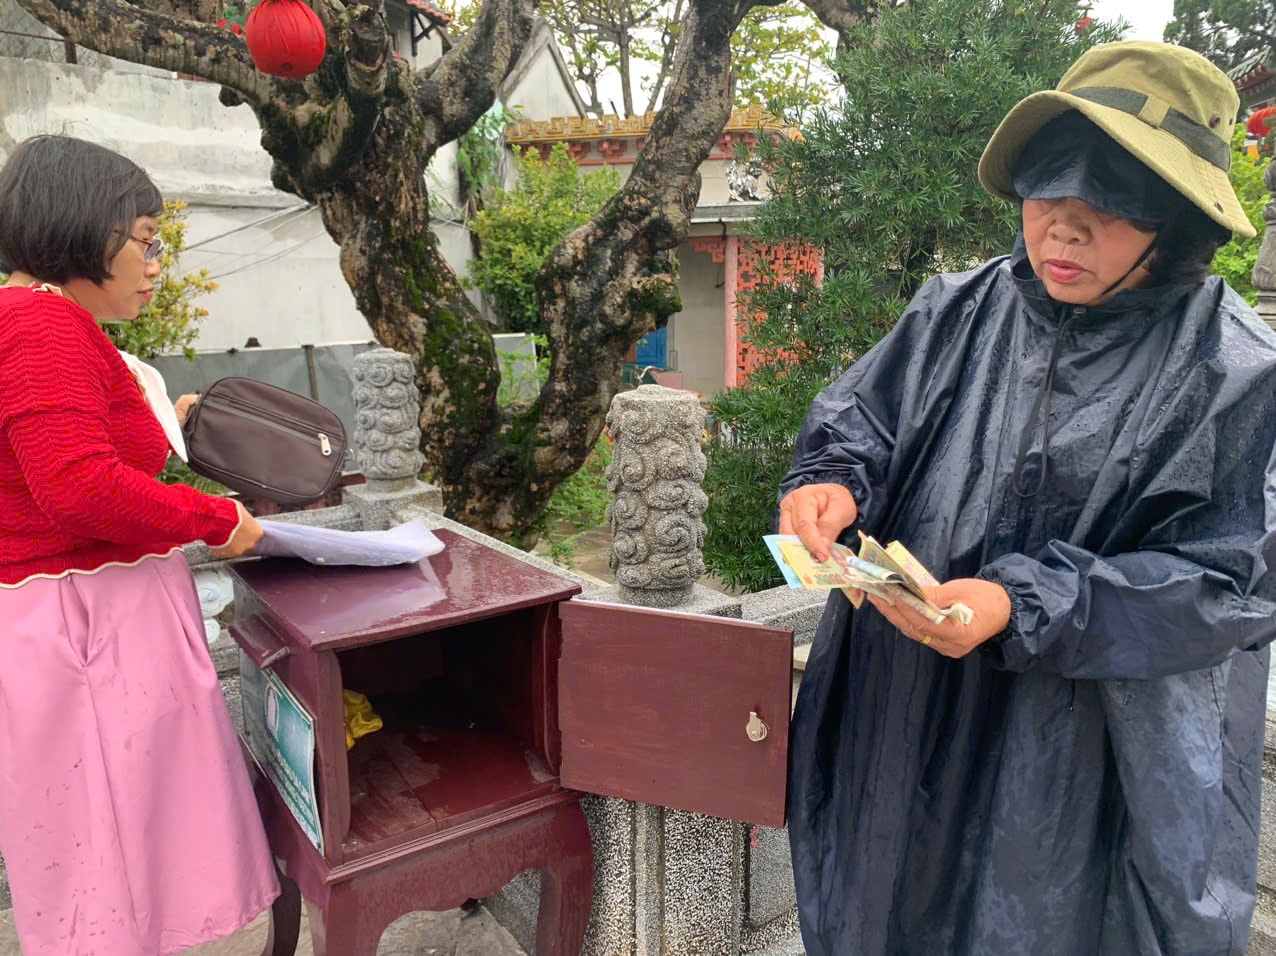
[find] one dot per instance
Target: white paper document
(407, 543)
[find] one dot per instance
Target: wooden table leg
(567, 888)
(347, 927)
(285, 920)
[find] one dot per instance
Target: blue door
(651, 349)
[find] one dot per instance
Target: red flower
(1085, 23)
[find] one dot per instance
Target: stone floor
(455, 933)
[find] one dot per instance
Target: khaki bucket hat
(1168, 106)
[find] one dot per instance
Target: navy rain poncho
(1088, 781)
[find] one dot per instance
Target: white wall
(277, 275)
(176, 129)
(696, 333)
(401, 22)
(279, 278)
(536, 85)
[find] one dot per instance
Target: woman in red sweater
(127, 821)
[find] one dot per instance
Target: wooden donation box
(502, 702)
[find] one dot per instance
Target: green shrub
(521, 226)
(522, 373)
(579, 505)
(478, 156)
(1235, 261)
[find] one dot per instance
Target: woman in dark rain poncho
(1078, 438)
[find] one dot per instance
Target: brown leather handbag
(264, 441)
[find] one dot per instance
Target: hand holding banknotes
(817, 514)
(988, 602)
(890, 572)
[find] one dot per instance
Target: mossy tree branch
(461, 86)
(161, 40)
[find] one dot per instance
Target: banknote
(896, 558)
(891, 573)
(801, 570)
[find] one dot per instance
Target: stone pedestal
(671, 882)
(667, 882)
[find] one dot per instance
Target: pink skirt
(127, 820)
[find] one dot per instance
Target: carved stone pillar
(657, 502)
(387, 436)
(1265, 266)
(672, 879)
(387, 441)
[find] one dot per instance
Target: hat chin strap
(1152, 246)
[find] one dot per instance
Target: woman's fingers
(907, 621)
(989, 604)
(183, 407)
(817, 514)
(807, 527)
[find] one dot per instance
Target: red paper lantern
(285, 38)
(1259, 120)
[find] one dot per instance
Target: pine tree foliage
(1226, 31)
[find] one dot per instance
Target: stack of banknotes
(890, 573)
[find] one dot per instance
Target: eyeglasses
(154, 247)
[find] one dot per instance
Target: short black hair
(67, 207)
(1184, 248)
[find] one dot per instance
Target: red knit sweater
(79, 451)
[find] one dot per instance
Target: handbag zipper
(267, 414)
(318, 438)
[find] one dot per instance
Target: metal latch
(756, 728)
(324, 445)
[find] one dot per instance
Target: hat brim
(1203, 184)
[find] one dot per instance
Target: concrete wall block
(703, 878)
(800, 610)
(611, 923)
(1262, 932)
(769, 865)
(515, 908)
(1267, 838)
